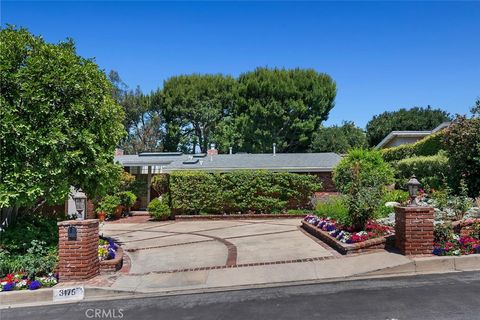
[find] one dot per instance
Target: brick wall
(327, 181)
(78, 259)
(414, 230)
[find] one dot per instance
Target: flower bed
(20, 281)
(110, 255)
(457, 246)
(344, 240)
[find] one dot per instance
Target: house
(397, 138)
(146, 164)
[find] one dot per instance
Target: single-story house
(397, 138)
(146, 164)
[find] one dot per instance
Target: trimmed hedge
(430, 170)
(242, 191)
(428, 146)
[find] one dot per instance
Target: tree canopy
(416, 118)
(339, 139)
(59, 125)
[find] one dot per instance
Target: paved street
(448, 296)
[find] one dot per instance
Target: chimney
(212, 151)
(230, 150)
(274, 149)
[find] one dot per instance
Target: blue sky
(383, 55)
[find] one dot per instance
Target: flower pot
(101, 216)
(118, 212)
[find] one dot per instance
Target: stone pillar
(78, 259)
(414, 230)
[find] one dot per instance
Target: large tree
(59, 125)
(416, 118)
(339, 139)
(282, 106)
(195, 104)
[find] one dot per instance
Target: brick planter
(347, 248)
(113, 265)
(238, 216)
(465, 228)
(78, 259)
(414, 230)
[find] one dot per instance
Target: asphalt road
(448, 296)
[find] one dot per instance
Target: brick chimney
(212, 151)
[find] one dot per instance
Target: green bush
(159, 209)
(108, 205)
(197, 192)
(431, 171)
(362, 176)
(160, 183)
(428, 146)
(127, 199)
(335, 208)
(399, 196)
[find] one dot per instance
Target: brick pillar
(90, 210)
(414, 230)
(78, 259)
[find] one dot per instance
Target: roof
(410, 134)
(291, 162)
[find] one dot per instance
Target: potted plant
(101, 216)
(109, 206)
(127, 200)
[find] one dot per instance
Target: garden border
(347, 248)
(238, 216)
(113, 265)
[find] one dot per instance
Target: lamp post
(80, 199)
(413, 184)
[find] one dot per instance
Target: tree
(59, 125)
(281, 106)
(404, 119)
(196, 104)
(339, 139)
(476, 109)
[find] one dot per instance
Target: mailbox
(72, 233)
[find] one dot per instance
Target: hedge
(430, 170)
(242, 191)
(428, 146)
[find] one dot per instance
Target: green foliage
(282, 106)
(196, 192)
(127, 199)
(432, 171)
(443, 232)
(362, 176)
(58, 123)
(458, 204)
(339, 139)
(160, 183)
(399, 196)
(463, 147)
(108, 205)
(414, 119)
(335, 208)
(159, 209)
(428, 146)
(198, 103)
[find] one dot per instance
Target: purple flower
(9, 286)
(34, 285)
(438, 251)
(110, 254)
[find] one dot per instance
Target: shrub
(160, 183)
(430, 170)
(127, 199)
(108, 205)
(428, 146)
(159, 209)
(362, 176)
(399, 196)
(197, 192)
(463, 147)
(335, 208)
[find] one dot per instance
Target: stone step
(140, 213)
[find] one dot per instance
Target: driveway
(165, 247)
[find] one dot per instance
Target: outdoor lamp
(80, 199)
(413, 184)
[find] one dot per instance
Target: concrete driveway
(165, 247)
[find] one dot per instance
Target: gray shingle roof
(293, 162)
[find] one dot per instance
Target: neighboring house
(146, 164)
(397, 138)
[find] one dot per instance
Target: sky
(382, 55)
